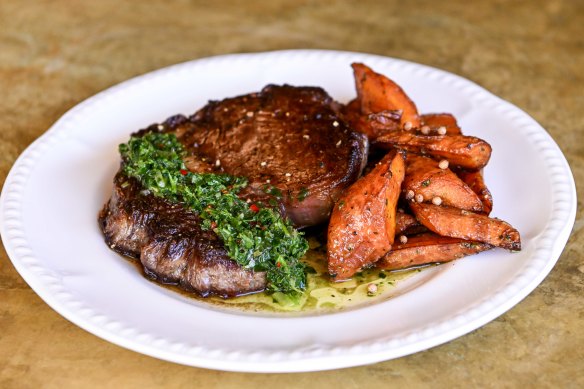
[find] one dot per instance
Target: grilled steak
(170, 243)
(290, 145)
(288, 137)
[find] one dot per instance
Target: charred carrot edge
(436, 121)
(378, 93)
(428, 248)
(456, 223)
(475, 180)
(372, 125)
(460, 150)
(404, 221)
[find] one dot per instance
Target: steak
(288, 137)
(169, 241)
(291, 145)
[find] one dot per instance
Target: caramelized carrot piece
(404, 222)
(362, 224)
(428, 248)
(372, 125)
(378, 93)
(475, 181)
(446, 120)
(424, 177)
(456, 223)
(465, 151)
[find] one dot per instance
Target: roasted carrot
(456, 223)
(362, 224)
(377, 93)
(437, 120)
(465, 151)
(428, 248)
(406, 223)
(425, 178)
(373, 125)
(475, 181)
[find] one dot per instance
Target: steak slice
(170, 243)
(287, 138)
(290, 145)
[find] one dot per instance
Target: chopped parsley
(255, 237)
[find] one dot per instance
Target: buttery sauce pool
(322, 295)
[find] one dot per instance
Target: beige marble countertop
(54, 54)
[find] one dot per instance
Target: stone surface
(53, 54)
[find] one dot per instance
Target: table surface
(54, 54)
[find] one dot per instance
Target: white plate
(55, 189)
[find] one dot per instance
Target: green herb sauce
(256, 238)
(322, 295)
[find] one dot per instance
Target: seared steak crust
(170, 243)
(288, 137)
(289, 143)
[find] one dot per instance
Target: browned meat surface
(170, 243)
(288, 142)
(288, 137)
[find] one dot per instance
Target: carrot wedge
(446, 120)
(464, 151)
(378, 93)
(428, 248)
(475, 181)
(424, 177)
(456, 223)
(372, 125)
(405, 222)
(362, 224)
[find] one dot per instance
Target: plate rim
(552, 241)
